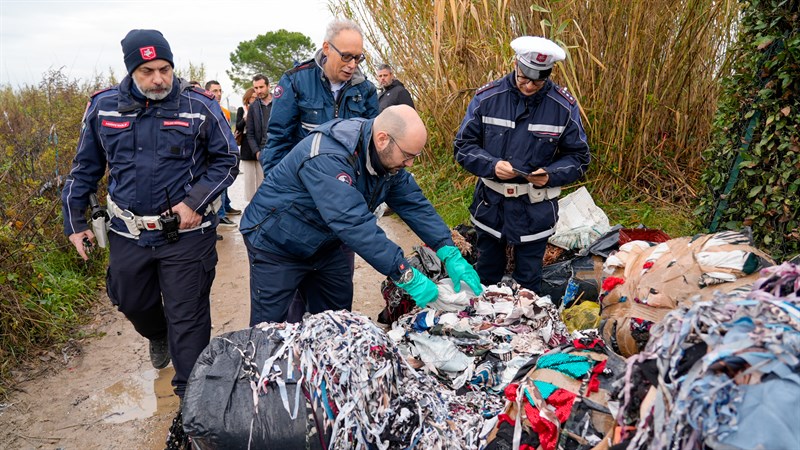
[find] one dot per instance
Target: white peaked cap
(536, 56)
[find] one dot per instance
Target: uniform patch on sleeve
(277, 92)
(565, 93)
(344, 177)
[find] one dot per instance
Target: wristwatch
(406, 276)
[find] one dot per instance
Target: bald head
(403, 123)
(399, 136)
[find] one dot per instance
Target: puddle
(138, 397)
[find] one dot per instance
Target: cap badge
(148, 53)
(541, 57)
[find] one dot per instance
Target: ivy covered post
(752, 175)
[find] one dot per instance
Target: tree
(269, 54)
(193, 73)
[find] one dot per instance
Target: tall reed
(644, 71)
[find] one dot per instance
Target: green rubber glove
(420, 288)
(458, 269)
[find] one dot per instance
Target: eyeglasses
(406, 156)
(347, 57)
(523, 80)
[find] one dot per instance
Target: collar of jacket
(395, 83)
(126, 101)
(357, 78)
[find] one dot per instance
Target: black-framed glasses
(406, 156)
(523, 80)
(347, 57)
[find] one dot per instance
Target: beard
(155, 93)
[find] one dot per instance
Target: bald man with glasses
(329, 86)
(320, 200)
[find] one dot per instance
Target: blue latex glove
(420, 288)
(458, 269)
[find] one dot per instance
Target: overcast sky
(84, 36)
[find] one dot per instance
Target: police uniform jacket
(182, 144)
(543, 130)
(324, 193)
(303, 100)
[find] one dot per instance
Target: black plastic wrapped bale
(218, 411)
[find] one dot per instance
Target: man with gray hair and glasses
(328, 86)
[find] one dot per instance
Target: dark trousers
(491, 263)
(324, 281)
(165, 291)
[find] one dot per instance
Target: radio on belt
(170, 222)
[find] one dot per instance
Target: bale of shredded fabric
(648, 281)
(723, 373)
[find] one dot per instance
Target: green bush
(44, 285)
(751, 177)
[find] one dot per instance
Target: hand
(77, 240)
(539, 178)
(189, 218)
(504, 171)
(420, 288)
(458, 269)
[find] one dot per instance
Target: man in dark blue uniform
(322, 195)
(327, 87)
(170, 152)
(522, 135)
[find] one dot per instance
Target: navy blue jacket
(324, 193)
(303, 100)
(543, 130)
(182, 143)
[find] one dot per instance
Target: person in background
(258, 117)
(323, 194)
(393, 92)
(226, 209)
(169, 152)
(249, 165)
(522, 136)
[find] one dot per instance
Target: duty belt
(136, 224)
(535, 195)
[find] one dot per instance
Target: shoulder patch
(204, 92)
(101, 91)
(565, 93)
(301, 66)
(487, 86)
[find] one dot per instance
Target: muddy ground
(100, 391)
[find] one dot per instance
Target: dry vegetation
(645, 73)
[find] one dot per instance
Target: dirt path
(104, 394)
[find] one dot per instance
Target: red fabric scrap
(594, 381)
(583, 344)
(511, 392)
(561, 400)
(612, 282)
